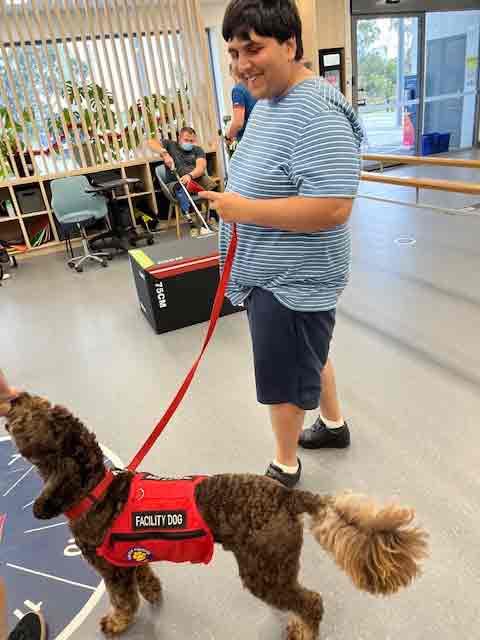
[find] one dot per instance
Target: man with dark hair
(291, 187)
(190, 162)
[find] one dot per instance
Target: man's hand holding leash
(229, 205)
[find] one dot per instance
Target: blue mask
(186, 146)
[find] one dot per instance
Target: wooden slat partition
(131, 50)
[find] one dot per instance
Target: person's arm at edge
(7, 393)
(237, 122)
(3, 610)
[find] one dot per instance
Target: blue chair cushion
(78, 217)
(72, 203)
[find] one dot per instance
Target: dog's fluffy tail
(379, 549)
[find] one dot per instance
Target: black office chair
(122, 234)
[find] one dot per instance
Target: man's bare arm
(157, 147)
(298, 213)
(200, 168)
(237, 122)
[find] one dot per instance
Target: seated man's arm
(197, 172)
(158, 147)
(200, 168)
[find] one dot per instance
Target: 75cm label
(161, 297)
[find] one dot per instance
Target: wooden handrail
(454, 186)
(439, 162)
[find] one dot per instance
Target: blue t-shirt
(306, 143)
(241, 97)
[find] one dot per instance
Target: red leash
(217, 305)
(87, 502)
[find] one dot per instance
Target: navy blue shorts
(290, 349)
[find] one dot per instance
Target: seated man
(190, 164)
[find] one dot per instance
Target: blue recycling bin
(443, 142)
(435, 142)
(428, 143)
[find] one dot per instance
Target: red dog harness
(159, 522)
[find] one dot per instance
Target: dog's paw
(115, 623)
(296, 630)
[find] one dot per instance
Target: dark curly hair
(277, 19)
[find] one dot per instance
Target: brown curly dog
(252, 516)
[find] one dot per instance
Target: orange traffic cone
(408, 131)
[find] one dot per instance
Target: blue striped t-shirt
(306, 143)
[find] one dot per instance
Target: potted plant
(93, 105)
(154, 113)
(10, 132)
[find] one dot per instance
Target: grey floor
(408, 362)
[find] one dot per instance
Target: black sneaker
(31, 627)
(288, 480)
(318, 436)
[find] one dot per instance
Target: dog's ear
(61, 489)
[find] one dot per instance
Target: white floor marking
(49, 526)
(17, 482)
(47, 575)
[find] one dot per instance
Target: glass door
(387, 82)
(451, 76)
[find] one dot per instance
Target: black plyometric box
(176, 282)
(30, 199)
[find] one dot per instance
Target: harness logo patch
(159, 520)
(139, 554)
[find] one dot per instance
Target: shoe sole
(330, 445)
(287, 486)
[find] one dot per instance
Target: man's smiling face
(263, 64)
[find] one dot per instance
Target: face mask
(186, 146)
